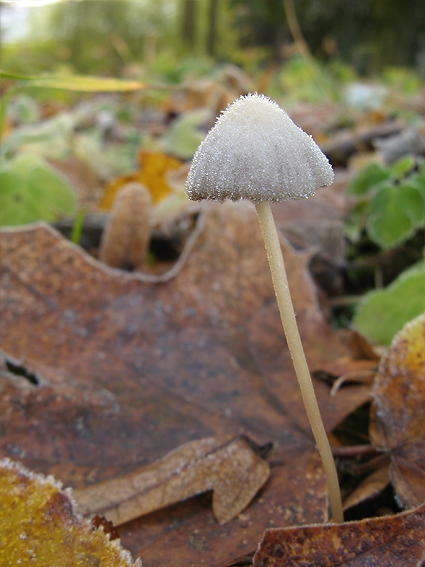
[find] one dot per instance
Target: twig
(354, 451)
(302, 46)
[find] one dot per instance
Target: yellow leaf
(83, 83)
(88, 84)
(40, 526)
(152, 173)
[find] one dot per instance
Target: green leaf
(8, 75)
(49, 138)
(184, 135)
(356, 220)
(31, 190)
(77, 82)
(402, 167)
(395, 213)
(418, 181)
(383, 313)
(367, 179)
(417, 213)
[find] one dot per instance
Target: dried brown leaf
(398, 541)
(359, 377)
(228, 466)
(398, 411)
(371, 486)
(129, 369)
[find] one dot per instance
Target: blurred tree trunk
(188, 23)
(212, 27)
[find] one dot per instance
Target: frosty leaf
(228, 466)
(130, 369)
(392, 540)
(39, 524)
(398, 411)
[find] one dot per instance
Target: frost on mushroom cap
(256, 152)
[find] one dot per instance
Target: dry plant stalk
(125, 240)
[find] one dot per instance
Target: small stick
(351, 451)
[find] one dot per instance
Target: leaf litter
(229, 467)
(397, 428)
(398, 411)
(348, 364)
(396, 540)
(131, 369)
(80, 398)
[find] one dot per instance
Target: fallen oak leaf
(371, 486)
(39, 521)
(196, 356)
(229, 466)
(397, 540)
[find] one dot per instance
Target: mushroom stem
(287, 315)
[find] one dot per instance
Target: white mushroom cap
(256, 152)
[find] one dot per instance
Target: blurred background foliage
(111, 90)
(164, 37)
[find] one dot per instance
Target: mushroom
(125, 240)
(256, 152)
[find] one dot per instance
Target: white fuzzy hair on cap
(256, 152)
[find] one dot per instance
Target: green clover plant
(389, 202)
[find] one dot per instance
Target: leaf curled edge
(228, 466)
(391, 540)
(40, 521)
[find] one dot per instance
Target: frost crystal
(256, 152)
